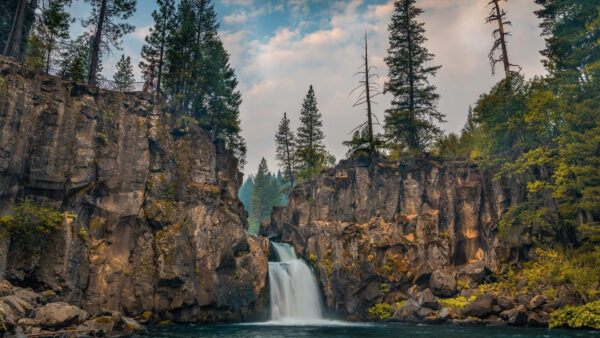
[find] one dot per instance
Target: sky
(280, 47)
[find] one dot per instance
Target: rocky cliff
(372, 231)
(153, 225)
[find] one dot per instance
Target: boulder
(493, 320)
(427, 299)
(19, 306)
(442, 284)
(566, 297)
(131, 326)
(538, 319)
(59, 315)
(516, 316)
(6, 288)
(467, 293)
(101, 325)
(523, 298)
(480, 307)
(505, 303)
(474, 273)
(444, 314)
(408, 312)
(7, 315)
(413, 291)
(28, 295)
(536, 302)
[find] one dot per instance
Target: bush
(381, 310)
(456, 303)
(584, 316)
(31, 223)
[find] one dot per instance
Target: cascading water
(294, 291)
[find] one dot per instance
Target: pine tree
(259, 202)
(153, 52)
(470, 124)
(498, 15)
(411, 120)
(22, 17)
(285, 141)
(199, 80)
(50, 34)
(74, 59)
(311, 155)
(123, 77)
(245, 192)
(107, 30)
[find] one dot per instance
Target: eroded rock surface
(375, 232)
(154, 226)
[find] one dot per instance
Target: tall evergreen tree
(123, 77)
(22, 17)
(199, 80)
(311, 155)
(74, 63)
(245, 192)
(285, 141)
(411, 119)
(265, 195)
(153, 52)
(107, 31)
(50, 34)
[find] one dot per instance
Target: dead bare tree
(368, 92)
(498, 15)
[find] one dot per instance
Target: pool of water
(344, 329)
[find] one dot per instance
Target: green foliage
(109, 28)
(311, 156)
(123, 77)
(153, 52)
(74, 60)
(381, 311)
(556, 267)
(584, 316)
(410, 122)
(456, 303)
(245, 192)
(266, 193)
(360, 146)
(285, 141)
(31, 223)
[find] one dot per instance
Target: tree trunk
(502, 39)
(13, 43)
(96, 47)
(368, 94)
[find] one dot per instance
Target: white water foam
(295, 296)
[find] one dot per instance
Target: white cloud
(140, 33)
(275, 73)
(243, 16)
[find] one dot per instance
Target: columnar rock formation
(373, 230)
(154, 222)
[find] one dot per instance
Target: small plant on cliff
(584, 316)
(381, 311)
(31, 222)
(124, 75)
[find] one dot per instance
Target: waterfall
(295, 296)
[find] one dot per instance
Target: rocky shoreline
(26, 312)
(464, 301)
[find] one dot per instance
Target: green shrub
(584, 316)
(31, 222)
(381, 310)
(456, 303)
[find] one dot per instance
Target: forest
(542, 131)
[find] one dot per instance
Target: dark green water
(358, 330)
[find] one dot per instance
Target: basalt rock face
(373, 231)
(154, 222)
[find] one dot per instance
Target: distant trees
(266, 193)
(107, 31)
(153, 52)
(498, 16)
(285, 142)
(410, 121)
(123, 77)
